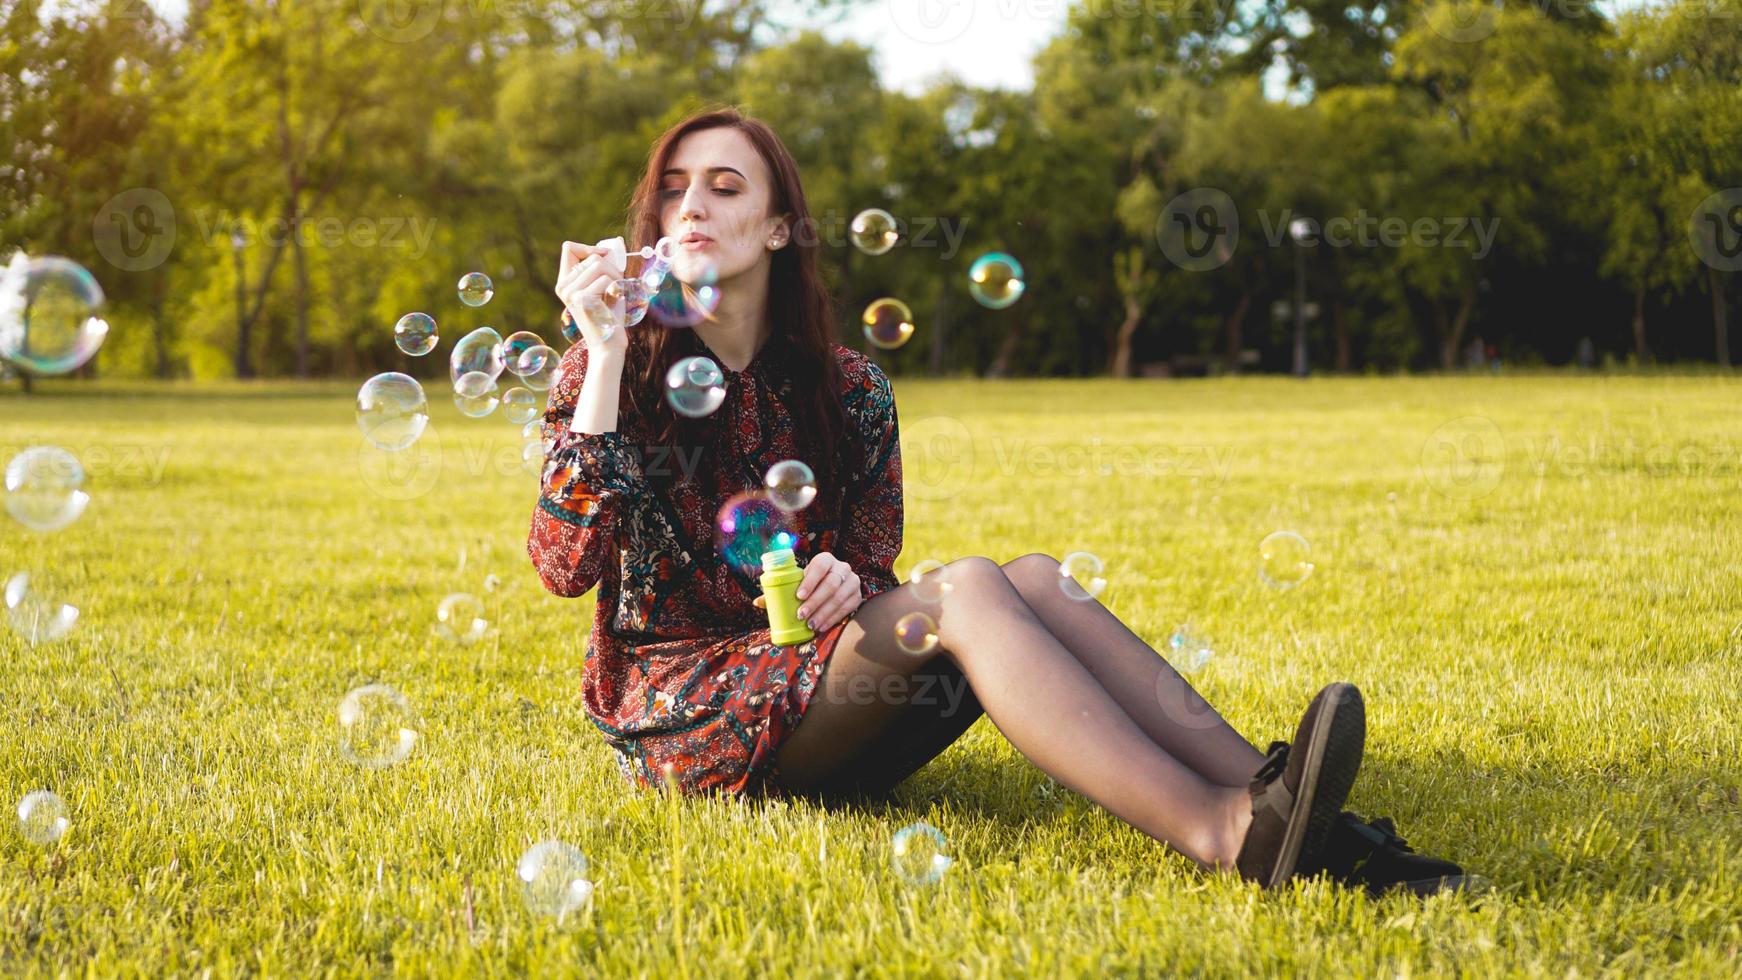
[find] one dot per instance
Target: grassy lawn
(1534, 580)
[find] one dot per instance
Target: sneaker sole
(1339, 734)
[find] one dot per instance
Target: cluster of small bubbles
(694, 386)
(520, 405)
(415, 333)
(888, 323)
(553, 879)
(392, 411)
(1189, 651)
(476, 289)
(749, 524)
(917, 853)
(873, 231)
(1082, 576)
(37, 618)
(928, 580)
(516, 344)
(1284, 560)
(48, 314)
(376, 727)
(42, 817)
(537, 367)
(916, 633)
(479, 352)
(996, 280)
(791, 485)
(460, 618)
(43, 488)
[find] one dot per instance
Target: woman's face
(716, 191)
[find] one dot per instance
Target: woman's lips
(696, 243)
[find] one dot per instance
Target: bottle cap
(776, 557)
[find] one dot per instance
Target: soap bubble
(34, 616)
(537, 367)
(376, 727)
(1284, 560)
(415, 333)
(392, 411)
(995, 280)
(916, 633)
(1081, 576)
(518, 343)
(747, 525)
(477, 352)
(479, 405)
(791, 485)
(476, 289)
(888, 323)
(678, 304)
(460, 618)
(1187, 651)
(520, 405)
(43, 488)
(695, 387)
(42, 817)
(634, 295)
(928, 580)
(553, 879)
(571, 329)
(532, 454)
(917, 854)
(474, 384)
(48, 314)
(873, 231)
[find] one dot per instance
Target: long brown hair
(800, 310)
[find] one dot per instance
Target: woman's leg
(1050, 707)
(1150, 690)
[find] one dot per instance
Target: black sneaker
(1298, 793)
(1370, 855)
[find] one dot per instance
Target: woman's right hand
(586, 273)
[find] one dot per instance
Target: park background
(264, 188)
(1531, 575)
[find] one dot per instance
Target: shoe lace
(1274, 763)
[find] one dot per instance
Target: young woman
(681, 676)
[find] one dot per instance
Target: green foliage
(446, 138)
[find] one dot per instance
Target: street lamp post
(1299, 229)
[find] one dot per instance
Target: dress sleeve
(871, 522)
(588, 480)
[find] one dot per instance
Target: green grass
(1549, 640)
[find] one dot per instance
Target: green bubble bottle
(780, 578)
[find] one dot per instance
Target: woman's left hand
(828, 593)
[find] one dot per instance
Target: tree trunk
(1452, 334)
(1340, 327)
(1232, 327)
(1640, 348)
(940, 329)
(1121, 367)
(300, 255)
(244, 323)
(1720, 316)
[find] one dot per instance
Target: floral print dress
(680, 669)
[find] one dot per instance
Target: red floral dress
(680, 668)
